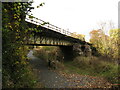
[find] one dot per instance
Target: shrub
(51, 53)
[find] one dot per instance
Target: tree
(115, 42)
(99, 40)
(106, 45)
(14, 61)
(78, 36)
(96, 36)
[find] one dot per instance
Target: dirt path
(48, 77)
(53, 79)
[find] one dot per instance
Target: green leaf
(31, 16)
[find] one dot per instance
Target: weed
(93, 66)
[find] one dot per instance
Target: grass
(70, 68)
(93, 67)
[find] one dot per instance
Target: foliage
(93, 66)
(114, 43)
(16, 72)
(51, 53)
(106, 45)
(78, 36)
(43, 52)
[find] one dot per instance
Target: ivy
(15, 33)
(15, 67)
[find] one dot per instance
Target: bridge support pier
(70, 52)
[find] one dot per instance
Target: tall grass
(94, 66)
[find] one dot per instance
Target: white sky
(79, 16)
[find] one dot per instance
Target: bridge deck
(50, 33)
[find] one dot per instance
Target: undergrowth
(93, 66)
(51, 53)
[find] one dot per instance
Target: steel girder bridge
(49, 35)
(45, 34)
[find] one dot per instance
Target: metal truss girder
(48, 40)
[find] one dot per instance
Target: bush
(40, 54)
(51, 53)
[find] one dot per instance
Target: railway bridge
(46, 34)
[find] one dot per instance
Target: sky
(81, 16)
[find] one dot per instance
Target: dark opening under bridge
(45, 34)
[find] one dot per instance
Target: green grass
(71, 68)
